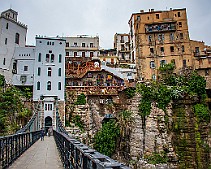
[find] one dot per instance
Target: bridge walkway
(41, 155)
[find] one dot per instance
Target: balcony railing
(161, 27)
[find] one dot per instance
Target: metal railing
(76, 155)
(12, 146)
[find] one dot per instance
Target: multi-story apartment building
(157, 38)
(49, 79)
(12, 34)
(23, 66)
(82, 46)
(122, 46)
(109, 57)
(202, 61)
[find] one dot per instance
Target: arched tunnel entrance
(48, 123)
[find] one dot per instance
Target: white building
(49, 79)
(12, 34)
(23, 66)
(122, 46)
(82, 46)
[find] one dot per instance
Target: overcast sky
(101, 17)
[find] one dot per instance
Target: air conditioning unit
(23, 79)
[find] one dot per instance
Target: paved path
(41, 155)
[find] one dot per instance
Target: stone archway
(48, 123)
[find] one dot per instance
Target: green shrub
(81, 99)
(105, 139)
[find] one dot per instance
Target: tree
(105, 139)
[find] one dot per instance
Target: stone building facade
(157, 38)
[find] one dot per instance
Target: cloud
(101, 17)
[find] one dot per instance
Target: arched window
(52, 58)
(60, 58)
(38, 85)
(59, 86)
(47, 57)
(59, 72)
(48, 85)
(39, 57)
(38, 71)
(17, 38)
(49, 71)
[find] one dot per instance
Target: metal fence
(13, 146)
(76, 155)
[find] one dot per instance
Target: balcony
(76, 47)
(160, 27)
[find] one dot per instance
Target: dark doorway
(48, 123)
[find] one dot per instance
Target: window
(122, 47)
(49, 71)
(7, 25)
(4, 61)
(25, 68)
(5, 41)
(59, 72)
(162, 62)
(75, 54)
(172, 48)
(91, 54)
(206, 71)
(48, 43)
(184, 63)
(178, 14)
(60, 58)
(153, 77)
(91, 45)
(171, 36)
(75, 44)
(50, 107)
(38, 85)
(38, 71)
(196, 49)
(150, 38)
(39, 57)
(47, 58)
(123, 56)
(67, 44)
(151, 50)
(157, 16)
(173, 61)
(52, 43)
(83, 54)
(181, 35)
(183, 48)
(48, 85)
(162, 49)
(59, 86)
(52, 58)
(83, 44)
(180, 24)
(152, 64)
(67, 53)
(17, 37)
(161, 37)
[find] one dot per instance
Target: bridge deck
(42, 155)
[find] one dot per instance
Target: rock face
(175, 135)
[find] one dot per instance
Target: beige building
(202, 60)
(157, 38)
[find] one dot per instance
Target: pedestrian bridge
(25, 150)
